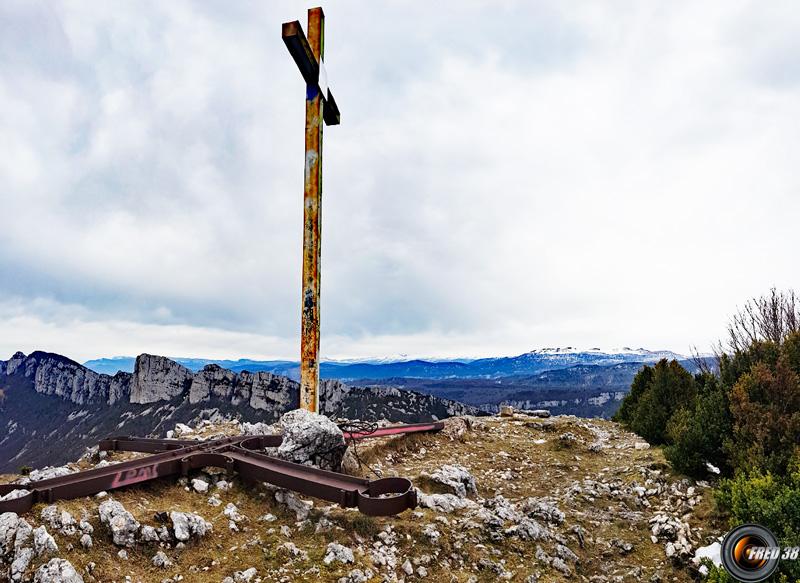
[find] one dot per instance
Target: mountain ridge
(531, 362)
(53, 407)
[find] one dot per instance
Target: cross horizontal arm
(330, 111)
(295, 40)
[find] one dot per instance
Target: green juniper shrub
(765, 406)
(697, 432)
(769, 500)
(717, 575)
(733, 366)
(628, 406)
(661, 391)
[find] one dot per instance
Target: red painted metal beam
(395, 430)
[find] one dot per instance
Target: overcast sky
(507, 175)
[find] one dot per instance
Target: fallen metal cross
(381, 497)
(308, 53)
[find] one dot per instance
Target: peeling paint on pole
(312, 226)
(321, 109)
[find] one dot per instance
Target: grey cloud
(511, 173)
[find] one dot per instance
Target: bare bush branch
(769, 318)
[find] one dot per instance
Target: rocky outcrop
(213, 381)
(340, 400)
(157, 378)
(53, 374)
(261, 390)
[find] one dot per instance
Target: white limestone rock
(123, 526)
(445, 503)
(245, 576)
(22, 559)
(43, 542)
(148, 534)
(232, 513)
(161, 560)
(23, 536)
(259, 428)
(528, 529)
(59, 520)
(457, 478)
(8, 529)
(311, 439)
(57, 571)
(543, 509)
(301, 508)
(187, 525)
(14, 494)
(46, 473)
(357, 576)
(338, 553)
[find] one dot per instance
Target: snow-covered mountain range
(532, 362)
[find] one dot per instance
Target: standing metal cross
(320, 106)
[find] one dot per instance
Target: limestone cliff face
(156, 378)
(56, 375)
(261, 390)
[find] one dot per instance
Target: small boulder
(148, 534)
(187, 525)
(24, 535)
(14, 494)
(301, 508)
(338, 553)
(22, 560)
(8, 529)
(456, 478)
(311, 439)
(161, 560)
(232, 513)
(57, 571)
(245, 576)
(357, 576)
(445, 503)
(123, 526)
(43, 541)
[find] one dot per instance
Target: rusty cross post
(308, 54)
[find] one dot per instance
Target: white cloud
(506, 175)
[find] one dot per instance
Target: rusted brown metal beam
(242, 454)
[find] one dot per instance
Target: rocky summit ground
(510, 498)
